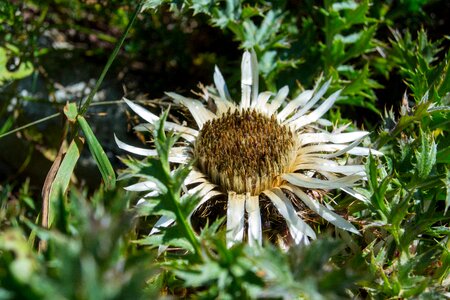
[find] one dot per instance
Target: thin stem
(29, 125)
(182, 221)
(110, 60)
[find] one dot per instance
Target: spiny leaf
(362, 44)
(163, 144)
(378, 189)
(426, 155)
(168, 202)
(171, 236)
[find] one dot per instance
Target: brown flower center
(245, 151)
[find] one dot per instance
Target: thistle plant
(250, 189)
(261, 148)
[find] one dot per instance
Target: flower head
(263, 147)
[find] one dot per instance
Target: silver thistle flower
(264, 145)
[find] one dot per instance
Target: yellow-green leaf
(62, 178)
(24, 68)
(71, 112)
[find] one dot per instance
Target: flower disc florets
(245, 151)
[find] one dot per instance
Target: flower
(264, 145)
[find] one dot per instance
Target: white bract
(263, 145)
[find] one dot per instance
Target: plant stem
(29, 124)
(111, 58)
(183, 223)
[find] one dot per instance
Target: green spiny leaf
(377, 190)
(425, 155)
(171, 236)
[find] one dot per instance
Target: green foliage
(168, 202)
(98, 154)
(417, 62)
(18, 43)
(88, 255)
(348, 50)
(406, 191)
(425, 156)
(61, 181)
(211, 270)
(10, 69)
(99, 248)
(338, 39)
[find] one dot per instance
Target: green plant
(98, 246)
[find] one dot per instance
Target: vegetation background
(390, 57)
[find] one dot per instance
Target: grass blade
(110, 60)
(105, 167)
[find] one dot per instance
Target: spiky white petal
(200, 113)
(346, 170)
(297, 227)
(304, 181)
(135, 150)
(235, 218)
(361, 151)
(261, 101)
(322, 210)
(319, 112)
(142, 186)
(162, 222)
(143, 200)
(142, 112)
(246, 80)
(177, 154)
(337, 138)
(186, 133)
(336, 149)
(295, 103)
(194, 176)
(308, 105)
(255, 75)
(278, 100)
(324, 122)
(202, 189)
(254, 220)
(221, 86)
